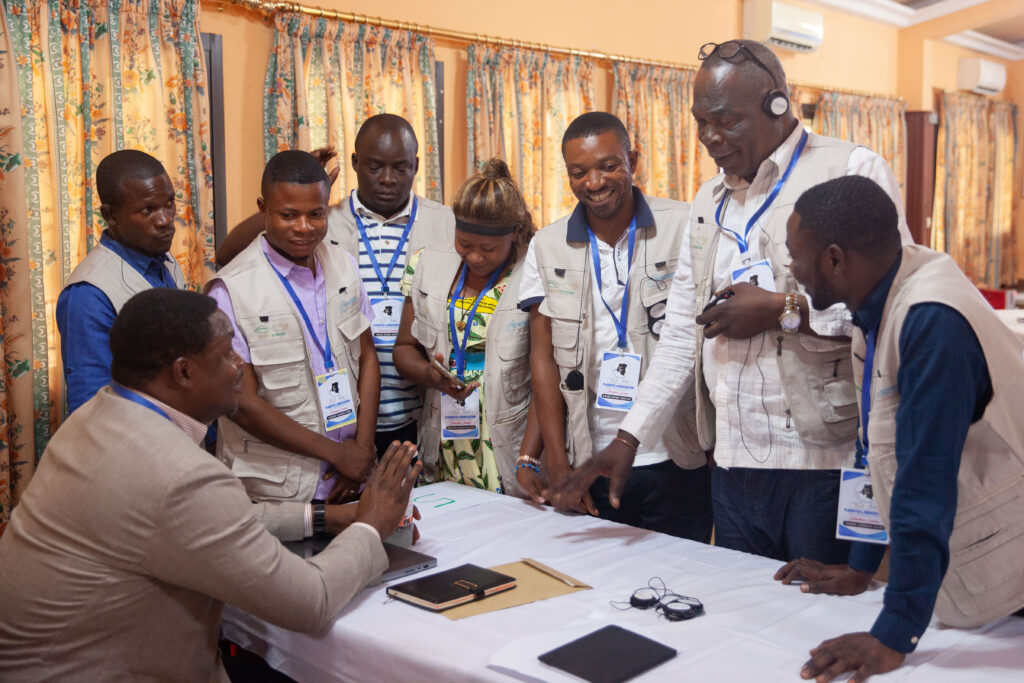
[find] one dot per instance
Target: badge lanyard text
(372, 256)
(620, 322)
(741, 240)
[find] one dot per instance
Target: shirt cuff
(896, 632)
(834, 321)
(307, 521)
(374, 530)
(866, 557)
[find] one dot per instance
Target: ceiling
(1004, 39)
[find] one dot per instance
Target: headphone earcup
(775, 103)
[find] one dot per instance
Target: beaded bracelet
(528, 462)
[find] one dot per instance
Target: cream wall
(857, 54)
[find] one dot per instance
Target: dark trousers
(782, 514)
(662, 497)
(404, 433)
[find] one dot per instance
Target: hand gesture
(352, 460)
(532, 483)
(861, 653)
(323, 155)
(386, 495)
(834, 579)
(615, 462)
(749, 310)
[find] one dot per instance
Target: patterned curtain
(878, 123)
(972, 217)
(326, 77)
(518, 104)
(654, 103)
(80, 79)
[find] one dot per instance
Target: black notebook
(608, 655)
(452, 587)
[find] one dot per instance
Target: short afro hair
(293, 166)
(853, 213)
(156, 327)
(595, 123)
(125, 164)
(391, 123)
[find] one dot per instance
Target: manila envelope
(534, 581)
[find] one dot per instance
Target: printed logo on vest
(271, 331)
(559, 287)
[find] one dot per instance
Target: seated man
(137, 202)
(130, 538)
(942, 384)
(305, 425)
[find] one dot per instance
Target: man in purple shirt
(299, 279)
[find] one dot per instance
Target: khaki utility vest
(104, 269)
(506, 378)
(434, 227)
(273, 329)
(985, 579)
(564, 265)
(817, 377)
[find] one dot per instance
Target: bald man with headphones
(775, 393)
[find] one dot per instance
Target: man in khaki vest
(130, 538)
(380, 223)
(595, 283)
(942, 383)
(774, 383)
(137, 203)
(304, 431)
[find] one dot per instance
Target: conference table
(1014, 319)
(754, 628)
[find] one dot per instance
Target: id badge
(336, 406)
(858, 518)
(387, 315)
(758, 274)
(618, 382)
(460, 418)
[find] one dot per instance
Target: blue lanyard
(865, 396)
(459, 345)
(384, 279)
(135, 397)
(741, 240)
(620, 322)
(325, 350)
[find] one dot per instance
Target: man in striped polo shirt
(379, 223)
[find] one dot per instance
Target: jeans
(782, 514)
(662, 497)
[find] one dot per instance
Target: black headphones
(775, 103)
(673, 606)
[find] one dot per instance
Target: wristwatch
(789, 321)
(319, 517)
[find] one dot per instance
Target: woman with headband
(465, 342)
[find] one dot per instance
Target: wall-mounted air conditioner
(782, 25)
(980, 76)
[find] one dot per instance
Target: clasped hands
(860, 653)
(352, 462)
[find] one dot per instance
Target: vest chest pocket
(565, 340)
(654, 301)
(515, 365)
(280, 362)
(351, 328)
(424, 333)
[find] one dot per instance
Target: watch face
(790, 321)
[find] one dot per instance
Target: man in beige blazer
(130, 539)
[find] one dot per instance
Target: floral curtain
(972, 217)
(326, 77)
(518, 104)
(81, 79)
(878, 123)
(654, 104)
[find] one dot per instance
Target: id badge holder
(858, 518)
(618, 381)
(387, 315)
(336, 406)
(758, 274)
(460, 418)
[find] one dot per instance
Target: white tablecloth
(1013, 318)
(754, 629)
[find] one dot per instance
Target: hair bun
(495, 168)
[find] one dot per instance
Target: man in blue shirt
(939, 433)
(137, 203)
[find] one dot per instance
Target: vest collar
(868, 315)
(577, 228)
(141, 262)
